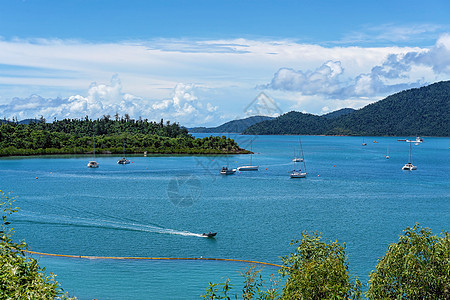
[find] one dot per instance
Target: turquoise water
(158, 206)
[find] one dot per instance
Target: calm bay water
(158, 206)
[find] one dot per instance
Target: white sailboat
(298, 158)
(363, 143)
(299, 173)
(409, 166)
(93, 163)
(251, 167)
(123, 160)
(387, 152)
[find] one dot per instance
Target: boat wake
(98, 223)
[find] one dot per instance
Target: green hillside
(75, 136)
(423, 111)
(235, 126)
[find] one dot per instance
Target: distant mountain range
(235, 126)
(422, 111)
(26, 121)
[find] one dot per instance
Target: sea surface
(158, 206)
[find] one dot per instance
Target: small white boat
(409, 167)
(387, 153)
(298, 158)
(123, 161)
(226, 171)
(250, 167)
(93, 163)
(298, 174)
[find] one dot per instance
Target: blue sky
(203, 62)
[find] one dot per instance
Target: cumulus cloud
(324, 78)
(392, 75)
(107, 99)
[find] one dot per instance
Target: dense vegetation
(235, 126)
(416, 267)
(424, 111)
(21, 277)
(76, 136)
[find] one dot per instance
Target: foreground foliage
(21, 277)
(315, 270)
(73, 136)
(416, 267)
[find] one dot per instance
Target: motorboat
(298, 174)
(226, 171)
(209, 234)
(123, 161)
(409, 167)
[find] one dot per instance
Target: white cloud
(188, 81)
(107, 99)
(392, 75)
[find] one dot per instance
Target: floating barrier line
(153, 258)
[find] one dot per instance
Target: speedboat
(298, 174)
(92, 164)
(226, 171)
(123, 161)
(409, 167)
(209, 234)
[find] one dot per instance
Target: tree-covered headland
(76, 136)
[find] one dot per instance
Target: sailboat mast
(251, 154)
(410, 153)
(301, 153)
(93, 142)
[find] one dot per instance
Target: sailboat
(123, 160)
(93, 163)
(387, 152)
(409, 166)
(298, 173)
(363, 143)
(299, 158)
(251, 167)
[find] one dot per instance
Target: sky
(202, 63)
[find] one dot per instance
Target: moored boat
(226, 171)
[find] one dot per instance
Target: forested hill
(423, 111)
(235, 126)
(75, 136)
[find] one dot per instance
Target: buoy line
(153, 258)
